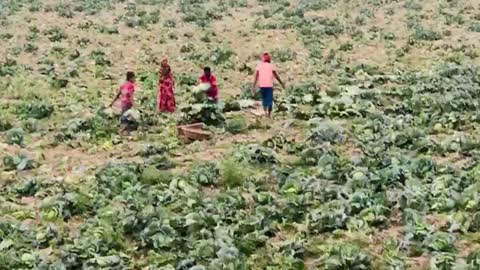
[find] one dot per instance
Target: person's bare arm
(254, 86)
(278, 79)
(116, 97)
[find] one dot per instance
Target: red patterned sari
(165, 96)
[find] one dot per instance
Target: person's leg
(123, 125)
(264, 101)
(265, 111)
(123, 119)
(269, 95)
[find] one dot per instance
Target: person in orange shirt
(264, 74)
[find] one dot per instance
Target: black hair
(207, 69)
(130, 75)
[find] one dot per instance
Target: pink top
(126, 93)
(265, 74)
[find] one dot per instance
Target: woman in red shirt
(208, 77)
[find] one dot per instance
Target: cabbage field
(370, 162)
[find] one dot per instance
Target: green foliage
(304, 93)
(208, 113)
(236, 125)
(232, 172)
(315, 4)
(152, 176)
(198, 14)
(33, 33)
(65, 206)
(255, 154)
(28, 187)
(18, 162)
(283, 55)
(342, 256)
(92, 7)
(6, 36)
(36, 110)
(140, 18)
(187, 47)
(5, 125)
(30, 47)
(56, 34)
(184, 79)
(413, 5)
(392, 257)
(473, 260)
(205, 174)
(474, 27)
(421, 33)
(170, 23)
(46, 66)
(15, 51)
(346, 47)
(99, 126)
(442, 261)
(440, 242)
(108, 30)
(154, 149)
(388, 36)
(35, 6)
(8, 67)
(221, 55)
(14, 136)
(100, 58)
(326, 133)
(64, 10)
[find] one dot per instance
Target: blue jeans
(267, 97)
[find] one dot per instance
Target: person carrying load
(209, 78)
(125, 94)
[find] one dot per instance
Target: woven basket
(196, 134)
(193, 132)
(191, 126)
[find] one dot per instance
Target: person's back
(265, 74)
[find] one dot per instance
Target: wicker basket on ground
(193, 132)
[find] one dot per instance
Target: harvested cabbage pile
(198, 93)
(132, 115)
(201, 88)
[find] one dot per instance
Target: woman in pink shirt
(125, 93)
(264, 75)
